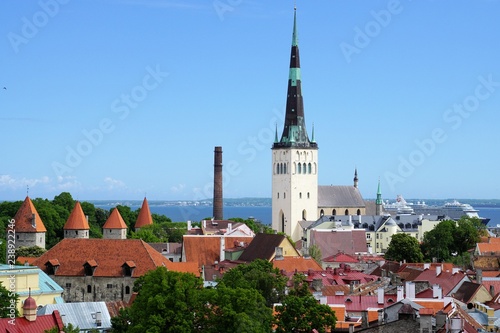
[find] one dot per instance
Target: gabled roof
(77, 219)
(331, 242)
(466, 291)
(41, 324)
(24, 218)
(115, 221)
(487, 248)
(144, 218)
(447, 280)
(263, 246)
(339, 196)
(109, 255)
(290, 264)
(206, 249)
(341, 257)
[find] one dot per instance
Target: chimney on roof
(217, 203)
(222, 248)
(410, 290)
(438, 270)
(380, 295)
(229, 227)
(455, 270)
(189, 226)
(437, 292)
(400, 293)
(479, 276)
(427, 265)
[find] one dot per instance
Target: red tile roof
(24, 218)
(115, 221)
(24, 260)
(484, 248)
(77, 219)
(41, 324)
(446, 280)
(290, 264)
(144, 218)
(109, 255)
(426, 311)
(341, 257)
(205, 249)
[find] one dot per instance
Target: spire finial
(27, 190)
(312, 134)
(276, 134)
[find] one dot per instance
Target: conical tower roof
(115, 221)
(24, 218)
(144, 218)
(294, 131)
(77, 220)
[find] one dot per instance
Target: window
(89, 288)
(334, 212)
(309, 168)
(321, 213)
(127, 290)
(358, 212)
(300, 195)
(277, 168)
(299, 171)
(308, 195)
(368, 236)
(278, 195)
(347, 212)
(109, 286)
(284, 169)
(68, 285)
(284, 195)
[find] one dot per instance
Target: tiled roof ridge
(77, 219)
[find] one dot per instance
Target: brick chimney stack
(217, 203)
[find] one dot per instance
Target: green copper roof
(295, 36)
(294, 76)
(379, 195)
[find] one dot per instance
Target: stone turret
(77, 225)
(115, 227)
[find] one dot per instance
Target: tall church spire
(294, 131)
(378, 201)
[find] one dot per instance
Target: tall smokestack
(218, 206)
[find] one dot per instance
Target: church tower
(378, 201)
(294, 158)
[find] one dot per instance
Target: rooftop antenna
(27, 190)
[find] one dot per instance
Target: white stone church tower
(295, 160)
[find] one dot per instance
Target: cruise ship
(454, 210)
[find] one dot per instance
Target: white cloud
(178, 188)
(9, 182)
(113, 184)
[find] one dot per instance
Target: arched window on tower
(347, 212)
(321, 212)
(300, 195)
(304, 168)
(308, 195)
(334, 212)
(309, 168)
(358, 212)
(304, 215)
(278, 194)
(284, 168)
(277, 168)
(299, 171)
(284, 195)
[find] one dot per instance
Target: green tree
(64, 200)
(8, 301)
(439, 242)
(260, 275)
(166, 302)
(468, 233)
(315, 253)
(404, 247)
(303, 314)
(234, 310)
(54, 223)
(32, 251)
(66, 329)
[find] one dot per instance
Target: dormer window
(128, 268)
(90, 267)
(52, 266)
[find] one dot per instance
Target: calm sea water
(262, 213)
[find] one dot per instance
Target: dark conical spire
(294, 132)
(355, 177)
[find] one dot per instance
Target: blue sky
(115, 99)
